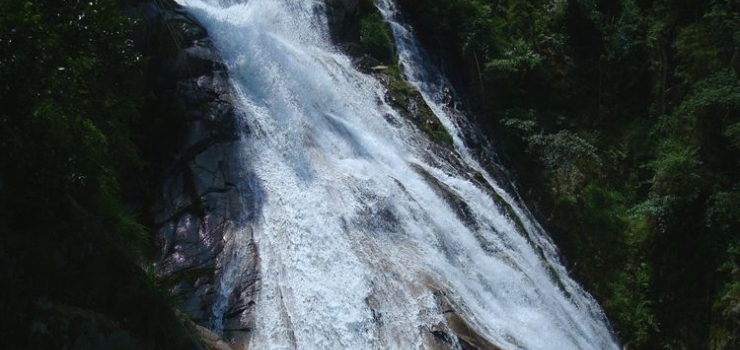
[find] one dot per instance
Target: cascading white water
(359, 248)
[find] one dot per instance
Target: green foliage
(627, 33)
(375, 39)
(718, 94)
(69, 109)
(723, 213)
(515, 59)
(620, 117)
(409, 102)
(66, 131)
(727, 305)
(72, 90)
(566, 157)
(633, 309)
(676, 181)
(438, 133)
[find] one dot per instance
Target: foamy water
(358, 240)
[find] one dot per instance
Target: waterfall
(370, 237)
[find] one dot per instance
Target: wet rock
(199, 208)
(410, 104)
(461, 209)
(211, 340)
(368, 64)
(457, 332)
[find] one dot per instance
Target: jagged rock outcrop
(201, 209)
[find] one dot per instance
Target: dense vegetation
(71, 130)
(622, 119)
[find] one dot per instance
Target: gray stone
(201, 202)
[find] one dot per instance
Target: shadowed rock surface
(205, 196)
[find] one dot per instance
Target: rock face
(344, 19)
(203, 205)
